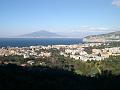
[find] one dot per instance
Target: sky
(84, 16)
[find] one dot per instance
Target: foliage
(89, 68)
(13, 77)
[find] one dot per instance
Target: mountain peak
(41, 34)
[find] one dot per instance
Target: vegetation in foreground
(13, 77)
(88, 68)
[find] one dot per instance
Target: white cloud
(83, 31)
(91, 29)
(116, 3)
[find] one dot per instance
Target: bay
(24, 42)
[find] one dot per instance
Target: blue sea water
(23, 42)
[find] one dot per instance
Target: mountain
(41, 34)
(113, 36)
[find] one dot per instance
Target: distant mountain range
(113, 36)
(47, 34)
(40, 34)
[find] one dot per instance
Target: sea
(26, 42)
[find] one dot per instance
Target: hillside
(14, 77)
(113, 36)
(40, 34)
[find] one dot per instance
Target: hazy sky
(24, 16)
